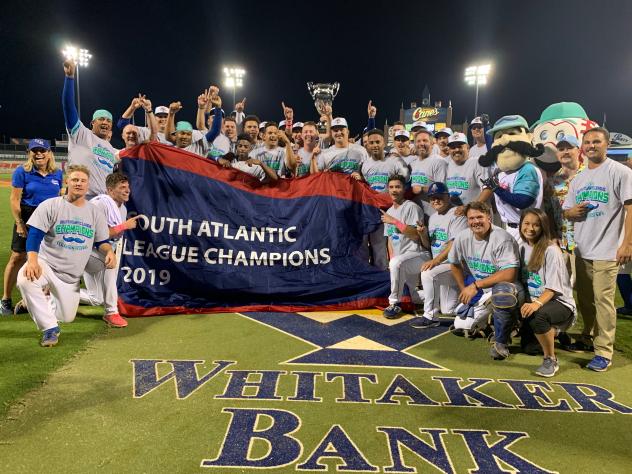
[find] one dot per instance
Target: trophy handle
(335, 88)
(310, 88)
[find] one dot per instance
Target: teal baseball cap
(101, 113)
(508, 121)
(184, 127)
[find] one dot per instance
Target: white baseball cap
(339, 122)
(419, 124)
(161, 109)
(402, 133)
(297, 125)
(282, 124)
(476, 120)
(444, 131)
(262, 125)
(457, 138)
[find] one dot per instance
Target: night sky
(542, 51)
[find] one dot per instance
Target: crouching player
(489, 255)
(441, 293)
(101, 281)
(62, 232)
(404, 247)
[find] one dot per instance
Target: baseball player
(101, 281)
(407, 254)
(441, 293)
(62, 232)
(88, 147)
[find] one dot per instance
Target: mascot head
(511, 145)
(561, 119)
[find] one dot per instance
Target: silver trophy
(323, 94)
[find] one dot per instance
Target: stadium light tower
(477, 76)
(82, 58)
(234, 78)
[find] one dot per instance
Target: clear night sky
(543, 52)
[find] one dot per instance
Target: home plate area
(342, 391)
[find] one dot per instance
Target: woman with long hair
(551, 306)
(32, 183)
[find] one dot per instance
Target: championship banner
(217, 240)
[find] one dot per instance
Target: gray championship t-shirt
(71, 232)
(607, 187)
(272, 157)
(476, 151)
(144, 133)
(464, 181)
(552, 275)
(304, 162)
(98, 155)
(425, 172)
(220, 146)
(345, 160)
(482, 258)
(199, 144)
(442, 228)
(408, 213)
(377, 172)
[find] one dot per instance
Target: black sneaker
(6, 307)
(580, 346)
(20, 307)
(423, 323)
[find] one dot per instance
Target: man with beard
(599, 201)
(376, 172)
(343, 156)
(463, 177)
(426, 169)
(517, 184)
(144, 133)
(441, 138)
(251, 127)
(485, 264)
(405, 250)
(252, 166)
(440, 289)
(479, 147)
(297, 136)
(309, 151)
(87, 147)
(281, 159)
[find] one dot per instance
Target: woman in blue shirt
(32, 183)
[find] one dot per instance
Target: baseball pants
(441, 293)
(100, 286)
(404, 270)
(46, 313)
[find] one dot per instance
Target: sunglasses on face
(39, 151)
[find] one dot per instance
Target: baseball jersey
(71, 232)
(199, 144)
(114, 215)
(482, 258)
(607, 187)
(464, 181)
(408, 213)
(442, 228)
(345, 160)
(272, 157)
(377, 172)
(476, 151)
(552, 275)
(304, 162)
(98, 155)
(220, 146)
(253, 170)
(144, 133)
(527, 180)
(425, 172)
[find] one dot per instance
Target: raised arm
(216, 102)
(372, 112)
(174, 108)
(200, 119)
(151, 119)
(71, 115)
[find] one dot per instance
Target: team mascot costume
(517, 183)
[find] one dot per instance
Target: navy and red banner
(217, 240)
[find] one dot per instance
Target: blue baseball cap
(101, 113)
(39, 143)
(437, 188)
(570, 139)
(508, 121)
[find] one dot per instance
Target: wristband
(149, 112)
(539, 302)
(475, 285)
(120, 228)
(400, 226)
